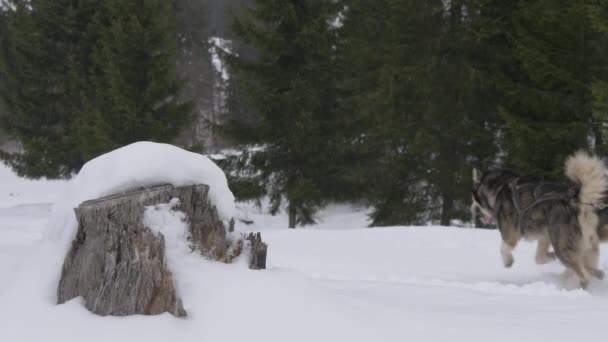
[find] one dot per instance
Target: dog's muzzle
(488, 219)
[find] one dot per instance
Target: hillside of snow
(337, 281)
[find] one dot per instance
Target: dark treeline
(80, 78)
(389, 102)
(396, 101)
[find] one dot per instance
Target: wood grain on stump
(117, 265)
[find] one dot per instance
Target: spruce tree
(135, 86)
(461, 118)
(41, 83)
(386, 47)
(290, 87)
(598, 13)
(547, 84)
(80, 78)
(4, 52)
(415, 82)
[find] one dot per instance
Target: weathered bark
(118, 265)
(259, 249)
(115, 263)
(207, 231)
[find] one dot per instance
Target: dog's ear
(476, 178)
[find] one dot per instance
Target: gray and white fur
(549, 212)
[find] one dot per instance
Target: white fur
(590, 173)
(542, 250)
(506, 253)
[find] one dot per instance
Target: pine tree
(41, 83)
(290, 87)
(414, 79)
(598, 12)
(80, 78)
(135, 86)
(4, 53)
(386, 48)
(462, 122)
(547, 86)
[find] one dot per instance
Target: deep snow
(336, 281)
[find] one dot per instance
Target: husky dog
(558, 214)
(498, 194)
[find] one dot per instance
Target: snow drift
(336, 281)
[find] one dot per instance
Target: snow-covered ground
(337, 281)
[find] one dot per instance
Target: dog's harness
(541, 192)
(600, 205)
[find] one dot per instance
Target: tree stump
(118, 265)
(259, 249)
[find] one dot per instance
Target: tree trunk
(447, 204)
(292, 215)
(257, 260)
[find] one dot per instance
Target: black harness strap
(515, 191)
(494, 208)
(539, 194)
(599, 205)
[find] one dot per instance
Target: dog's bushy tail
(590, 172)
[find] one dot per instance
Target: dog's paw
(545, 259)
(508, 261)
(599, 274)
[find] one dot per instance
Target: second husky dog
(555, 214)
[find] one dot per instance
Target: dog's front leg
(542, 250)
(592, 258)
(510, 237)
(507, 255)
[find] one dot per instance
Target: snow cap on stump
(139, 165)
